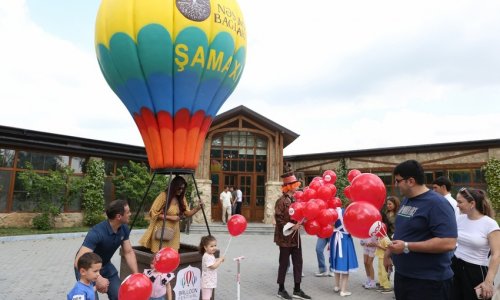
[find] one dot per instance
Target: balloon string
(227, 247)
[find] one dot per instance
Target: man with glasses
(424, 238)
(442, 185)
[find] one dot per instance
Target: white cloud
(344, 75)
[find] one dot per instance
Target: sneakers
(345, 294)
(284, 295)
(322, 274)
(370, 285)
(385, 290)
(300, 295)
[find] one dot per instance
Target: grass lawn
(25, 231)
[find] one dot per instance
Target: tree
(50, 192)
(131, 182)
(492, 176)
(342, 181)
(93, 192)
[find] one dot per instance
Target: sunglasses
(465, 192)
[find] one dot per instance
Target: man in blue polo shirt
(104, 239)
(424, 238)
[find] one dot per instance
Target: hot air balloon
(173, 64)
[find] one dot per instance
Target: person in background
(238, 201)
(289, 244)
(321, 244)
(442, 185)
(104, 239)
(89, 265)
(226, 200)
(383, 276)
(391, 210)
(177, 209)
(425, 236)
(369, 246)
(478, 235)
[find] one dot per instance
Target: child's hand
(222, 259)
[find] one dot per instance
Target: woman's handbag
(168, 234)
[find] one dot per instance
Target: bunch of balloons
(316, 205)
(367, 192)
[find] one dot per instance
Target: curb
(61, 236)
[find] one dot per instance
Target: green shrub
(93, 193)
(43, 221)
(492, 176)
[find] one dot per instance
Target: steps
(218, 228)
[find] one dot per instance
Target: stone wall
(273, 192)
(18, 219)
(205, 189)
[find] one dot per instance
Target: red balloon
(309, 194)
(296, 211)
(298, 195)
(329, 176)
(359, 217)
(378, 229)
(321, 203)
(337, 202)
(311, 210)
(325, 232)
(369, 188)
(333, 187)
(166, 260)
(236, 225)
(135, 287)
(327, 216)
(324, 192)
(353, 174)
(347, 191)
(312, 227)
(315, 184)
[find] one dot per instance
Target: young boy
(89, 265)
(383, 277)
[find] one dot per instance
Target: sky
(344, 75)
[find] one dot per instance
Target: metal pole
(142, 202)
(238, 278)
(202, 208)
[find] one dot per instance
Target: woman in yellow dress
(175, 210)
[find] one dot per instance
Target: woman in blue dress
(343, 259)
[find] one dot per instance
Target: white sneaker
(345, 294)
(321, 274)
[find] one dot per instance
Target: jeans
(320, 253)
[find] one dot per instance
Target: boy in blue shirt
(89, 265)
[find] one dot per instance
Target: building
(242, 149)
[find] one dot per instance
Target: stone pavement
(40, 267)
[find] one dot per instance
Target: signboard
(188, 285)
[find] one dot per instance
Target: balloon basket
(189, 257)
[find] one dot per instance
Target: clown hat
(289, 178)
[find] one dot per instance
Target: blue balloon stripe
(155, 48)
(231, 80)
(124, 50)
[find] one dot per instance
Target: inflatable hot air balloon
(173, 64)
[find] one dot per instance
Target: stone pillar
(273, 192)
(205, 189)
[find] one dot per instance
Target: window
(238, 151)
(4, 189)
(7, 158)
(78, 164)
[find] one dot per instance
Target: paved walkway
(40, 267)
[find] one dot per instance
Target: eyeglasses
(398, 181)
(465, 191)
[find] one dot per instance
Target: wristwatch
(406, 250)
